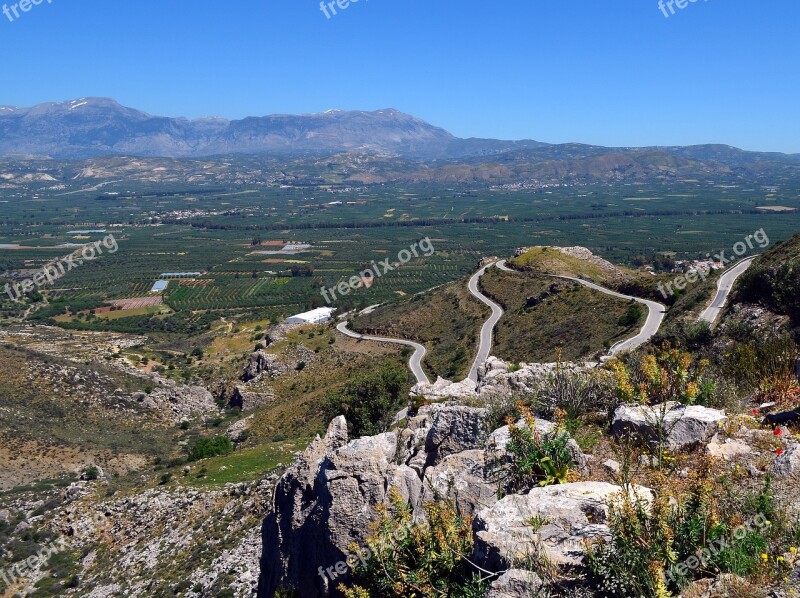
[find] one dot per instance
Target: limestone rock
(686, 426)
(238, 431)
(788, 463)
(568, 514)
(463, 479)
(454, 429)
(445, 389)
(323, 505)
(730, 450)
(262, 362)
(492, 368)
(247, 399)
(516, 583)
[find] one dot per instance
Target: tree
(370, 401)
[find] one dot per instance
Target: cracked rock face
(516, 583)
(685, 426)
(567, 515)
(462, 477)
(323, 506)
(261, 362)
(788, 463)
(455, 429)
(325, 502)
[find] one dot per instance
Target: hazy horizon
(621, 74)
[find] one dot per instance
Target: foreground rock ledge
(568, 514)
(324, 503)
(685, 426)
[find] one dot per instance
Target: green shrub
(534, 458)
(204, 448)
(713, 527)
(370, 401)
(425, 559)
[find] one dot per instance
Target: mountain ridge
(401, 146)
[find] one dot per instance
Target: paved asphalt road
(655, 316)
(487, 332)
(724, 287)
(415, 363)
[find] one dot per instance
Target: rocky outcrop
(442, 390)
(262, 362)
(788, 463)
(684, 426)
(248, 399)
(496, 379)
(516, 583)
(462, 478)
(554, 522)
(240, 430)
(325, 501)
(454, 429)
(728, 450)
(182, 402)
(323, 506)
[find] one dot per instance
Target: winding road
(415, 363)
(724, 287)
(487, 331)
(655, 316)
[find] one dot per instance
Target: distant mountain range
(377, 146)
(91, 127)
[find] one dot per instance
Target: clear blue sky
(613, 73)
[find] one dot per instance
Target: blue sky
(612, 73)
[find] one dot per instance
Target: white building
(317, 316)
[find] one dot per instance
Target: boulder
(463, 479)
(247, 399)
(442, 390)
(516, 583)
(439, 430)
(685, 426)
(454, 429)
(566, 516)
(256, 366)
(729, 450)
(262, 362)
(238, 431)
(323, 505)
(788, 463)
(524, 380)
(492, 368)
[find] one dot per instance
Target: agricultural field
(266, 252)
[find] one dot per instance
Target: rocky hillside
(773, 281)
(534, 530)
